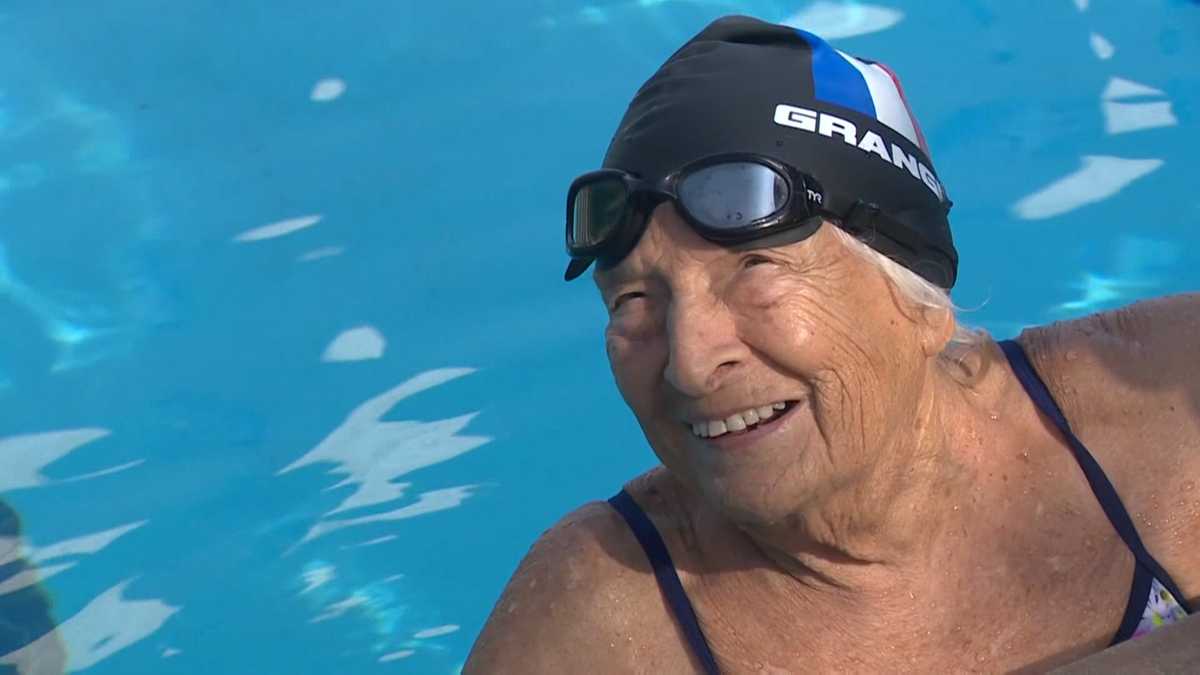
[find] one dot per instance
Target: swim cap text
(833, 126)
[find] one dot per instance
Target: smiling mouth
(738, 425)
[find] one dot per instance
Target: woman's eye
(753, 260)
(626, 297)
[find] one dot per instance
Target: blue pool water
(289, 379)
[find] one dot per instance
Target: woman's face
(699, 333)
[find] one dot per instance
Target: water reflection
(109, 622)
(1101, 47)
(837, 20)
(1098, 178)
(328, 89)
(827, 18)
(26, 613)
(356, 344)
(1136, 267)
(106, 625)
(1123, 116)
(380, 605)
(278, 229)
(94, 286)
(372, 453)
(319, 253)
(26, 455)
(87, 544)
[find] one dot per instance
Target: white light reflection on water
(25, 456)
(355, 344)
(105, 626)
(828, 19)
(372, 542)
(327, 90)
(13, 548)
(70, 328)
(1136, 266)
(1123, 116)
(278, 229)
(1099, 178)
(321, 253)
(436, 631)
(1119, 88)
(1101, 47)
(429, 502)
(836, 20)
(382, 605)
(69, 173)
(372, 453)
(317, 576)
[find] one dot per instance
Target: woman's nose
(703, 345)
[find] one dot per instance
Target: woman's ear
(937, 327)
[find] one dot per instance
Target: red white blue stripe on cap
(864, 86)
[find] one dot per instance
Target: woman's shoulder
(1128, 381)
(1137, 366)
(586, 593)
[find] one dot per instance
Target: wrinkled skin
(697, 332)
(914, 512)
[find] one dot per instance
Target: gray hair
(918, 291)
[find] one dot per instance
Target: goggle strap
(900, 241)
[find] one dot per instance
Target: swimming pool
(289, 379)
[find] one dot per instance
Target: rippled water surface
(289, 379)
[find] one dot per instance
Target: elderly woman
(850, 480)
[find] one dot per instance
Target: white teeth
(737, 422)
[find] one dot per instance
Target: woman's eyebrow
(613, 276)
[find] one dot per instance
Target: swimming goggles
(728, 199)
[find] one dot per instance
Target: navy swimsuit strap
(1145, 572)
(664, 572)
(1106, 494)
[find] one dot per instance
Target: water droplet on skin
(1072, 355)
(1188, 486)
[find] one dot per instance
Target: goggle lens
(600, 207)
(732, 195)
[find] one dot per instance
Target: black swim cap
(744, 85)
